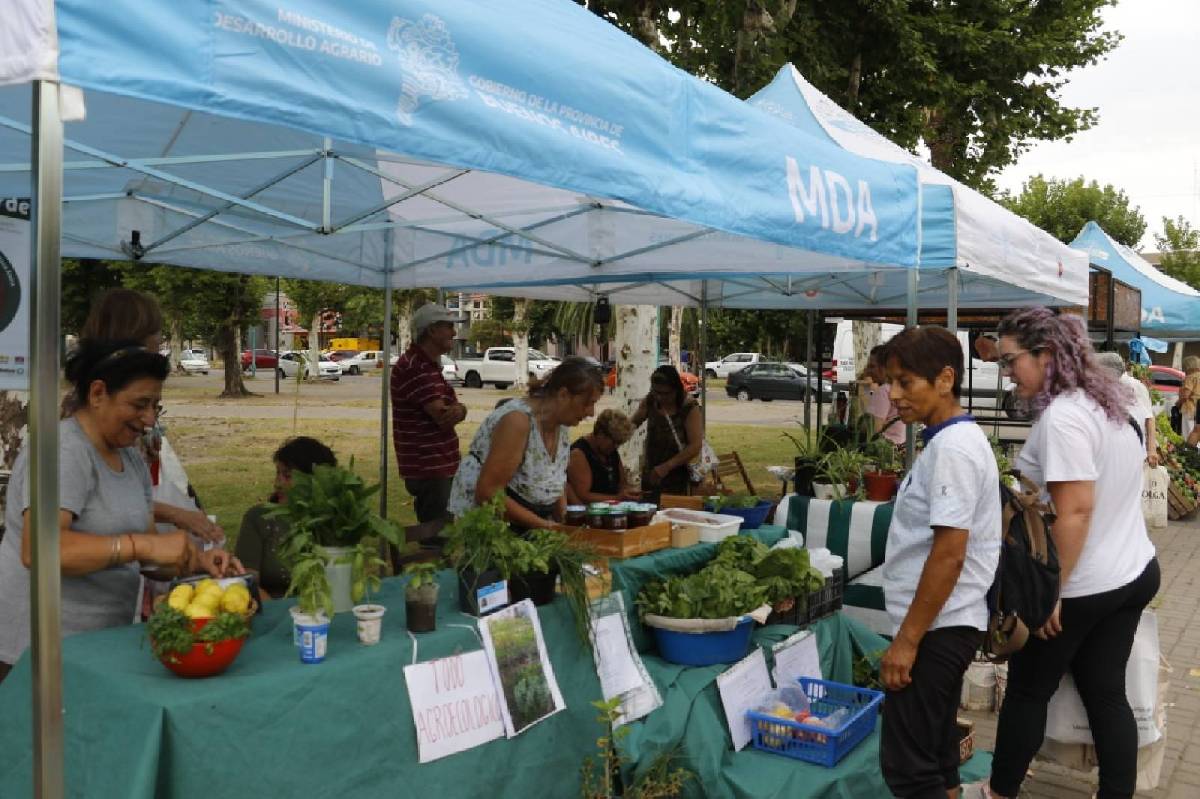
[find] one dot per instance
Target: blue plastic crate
(814, 743)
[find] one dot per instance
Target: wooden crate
(1178, 505)
(627, 543)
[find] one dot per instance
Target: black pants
(918, 747)
(430, 496)
(5, 668)
(1096, 638)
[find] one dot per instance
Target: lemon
(206, 584)
(182, 591)
(207, 600)
(197, 611)
(236, 601)
(177, 601)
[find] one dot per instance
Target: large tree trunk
(227, 339)
(404, 314)
(314, 348)
(636, 334)
(866, 337)
(854, 83)
(521, 341)
(675, 336)
(176, 330)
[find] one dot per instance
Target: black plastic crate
(825, 601)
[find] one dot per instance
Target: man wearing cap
(1140, 409)
(425, 410)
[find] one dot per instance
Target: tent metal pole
(385, 382)
(820, 364)
(952, 300)
(808, 365)
(277, 320)
(327, 186)
(45, 584)
(914, 283)
(703, 356)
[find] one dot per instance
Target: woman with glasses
(106, 524)
(523, 447)
(674, 433)
(1086, 452)
(942, 549)
(596, 473)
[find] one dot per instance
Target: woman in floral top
(522, 448)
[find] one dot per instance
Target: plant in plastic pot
(367, 566)
(882, 474)
(808, 459)
(329, 513)
(479, 544)
(841, 468)
(420, 597)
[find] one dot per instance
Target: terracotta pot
(880, 486)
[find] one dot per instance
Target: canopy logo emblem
(429, 60)
(829, 198)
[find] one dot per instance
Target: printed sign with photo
(512, 638)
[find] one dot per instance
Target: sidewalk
(1178, 606)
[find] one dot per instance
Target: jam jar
(576, 515)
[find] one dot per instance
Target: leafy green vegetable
(787, 573)
(170, 632)
(740, 551)
(715, 592)
(738, 501)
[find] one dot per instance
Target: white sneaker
(975, 790)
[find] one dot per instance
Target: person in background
(259, 539)
(942, 551)
(595, 473)
(523, 447)
(121, 314)
(877, 399)
(674, 433)
(1084, 451)
(106, 523)
(1189, 394)
(1140, 409)
(425, 411)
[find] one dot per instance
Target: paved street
(1178, 607)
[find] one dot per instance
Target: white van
(985, 382)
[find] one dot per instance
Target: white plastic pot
(369, 621)
(340, 576)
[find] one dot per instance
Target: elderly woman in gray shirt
(105, 519)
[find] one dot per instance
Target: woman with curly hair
(595, 472)
(1086, 452)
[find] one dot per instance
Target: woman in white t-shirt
(1086, 451)
(942, 549)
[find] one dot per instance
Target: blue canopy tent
(1170, 307)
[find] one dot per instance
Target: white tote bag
(1155, 484)
(1066, 719)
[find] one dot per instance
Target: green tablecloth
(271, 726)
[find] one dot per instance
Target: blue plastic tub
(815, 743)
(752, 518)
(705, 649)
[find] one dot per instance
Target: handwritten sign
(742, 687)
(455, 704)
(797, 657)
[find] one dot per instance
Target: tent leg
(808, 364)
(385, 382)
(952, 300)
(910, 441)
(820, 368)
(45, 574)
(703, 356)
(277, 322)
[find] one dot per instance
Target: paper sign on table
(455, 704)
(795, 657)
(742, 688)
(512, 639)
(618, 665)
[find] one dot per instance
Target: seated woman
(259, 538)
(595, 472)
(674, 433)
(106, 523)
(522, 448)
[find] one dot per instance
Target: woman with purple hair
(1086, 452)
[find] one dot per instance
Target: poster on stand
(512, 638)
(742, 687)
(454, 703)
(14, 296)
(618, 664)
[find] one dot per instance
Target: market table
(271, 726)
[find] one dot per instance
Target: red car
(1167, 381)
(263, 359)
(691, 383)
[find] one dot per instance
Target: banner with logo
(14, 294)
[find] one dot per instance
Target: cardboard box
(624, 543)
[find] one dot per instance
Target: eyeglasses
(1005, 362)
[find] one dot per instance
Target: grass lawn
(228, 460)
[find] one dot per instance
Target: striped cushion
(855, 530)
(863, 602)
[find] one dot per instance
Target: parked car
(340, 355)
(731, 363)
(360, 362)
(768, 380)
(1167, 382)
(263, 359)
(194, 361)
(291, 363)
(691, 383)
(498, 366)
(450, 370)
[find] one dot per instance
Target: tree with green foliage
(484, 333)
(976, 82)
(225, 303)
(82, 282)
(313, 299)
(1179, 244)
(1063, 207)
(175, 288)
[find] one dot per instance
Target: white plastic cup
(369, 621)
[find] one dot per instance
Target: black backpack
(1025, 590)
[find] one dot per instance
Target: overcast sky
(1148, 139)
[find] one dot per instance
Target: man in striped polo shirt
(425, 410)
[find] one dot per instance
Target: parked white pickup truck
(734, 362)
(498, 366)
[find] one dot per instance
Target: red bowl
(198, 662)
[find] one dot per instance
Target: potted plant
(479, 544)
(421, 596)
(808, 459)
(840, 468)
(366, 567)
(881, 477)
(329, 513)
